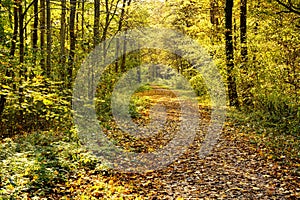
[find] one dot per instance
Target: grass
(275, 141)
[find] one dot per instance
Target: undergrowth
(280, 141)
(53, 166)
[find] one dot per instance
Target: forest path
(234, 169)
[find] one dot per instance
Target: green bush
(35, 164)
(38, 104)
(198, 85)
(279, 111)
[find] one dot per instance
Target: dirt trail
(234, 169)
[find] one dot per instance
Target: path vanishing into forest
(234, 169)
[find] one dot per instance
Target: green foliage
(143, 88)
(104, 94)
(198, 85)
(34, 165)
(280, 138)
(279, 112)
(37, 104)
(137, 105)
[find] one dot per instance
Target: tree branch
(289, 6)
(26, 9)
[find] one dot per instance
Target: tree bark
(15, 32)
(96, 22)
(82, 19)
(49, 40)
(119, 30)
(21, 59)
(72, 44)
(63, 39)
(232, 92)
(246, 86)
(35, 30)
(42, 34)
(213, 12)
(123, 61)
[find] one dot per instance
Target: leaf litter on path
(234, 169)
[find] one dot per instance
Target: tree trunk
(63, 39)
(119, 30)
(123, 61)
(243, 28)
(110, 14)
(21, 40)
(42, 34)
(82, 20)
(49, 41)
(105, 29)
(215, 21)
(77, 17)
(35, 30)
(21, 59)
(72, 44)
(232, 92)
(15, 32)
(25, 19)
(96, 22)
(213, 12)
(246, 87)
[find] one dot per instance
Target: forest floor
(238, 167)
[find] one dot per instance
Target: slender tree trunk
(215, 21)
(96, 22)
(21, 34)
(77, 17)
(96, 41)
(63, 39)
(117, 55)
(72, 43)
(49, 41)
(232, 92)
(42, 34)
(119, 30)
(35, 30)
(105, 29)
(246, 86)
(213, 12)
(2, 103)
(82, 19)
(21, 59)
(15, 32)
(25, 19)
(255, 29)
(243, 29)
(123, 61)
